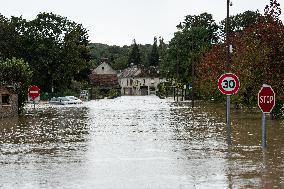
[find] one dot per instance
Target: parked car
(74, 99)
(60, 101)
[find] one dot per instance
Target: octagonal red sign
(266, 99)
(34, 92)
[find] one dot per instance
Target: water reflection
(139, 142)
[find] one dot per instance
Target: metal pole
(227, 36)
(177, 93)
(192, 70)
(263, 125)
(228, 69)
(174, 93)
(229, 120)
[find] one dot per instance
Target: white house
(137, 81)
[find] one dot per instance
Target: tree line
(122, 57)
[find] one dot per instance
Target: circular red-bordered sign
(34, 92)
(228, 84)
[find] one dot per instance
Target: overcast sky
(118, 22)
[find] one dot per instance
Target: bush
(16, 72)
(112, 94)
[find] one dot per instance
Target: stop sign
(34, 92)
(266, 99)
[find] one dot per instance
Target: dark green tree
(56, 49)
(194, 36)
(117, 56)
(154, 55)
(163, 53)
(134, 56)
(10, 44)
(145, 51)
(203, 20)
(240, 22)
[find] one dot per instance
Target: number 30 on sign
(228, 84)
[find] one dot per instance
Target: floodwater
(139, 143)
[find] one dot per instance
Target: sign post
(228, 84)
(34, 92)
(266, 102)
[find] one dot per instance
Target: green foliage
(145, 51)
(203, 20)
(194, 36)
(117, 56)
(163, 54)
(97, 94)
(240, 22)
(154, 55)
(55, 48)
(134, 56)
(113, 93)
(16, 72)
(9, 38)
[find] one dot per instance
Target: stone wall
(9, 109)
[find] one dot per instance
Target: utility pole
(177, 73)
(228, 67)
(192, 70)
(227, 37)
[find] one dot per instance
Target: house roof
(135, 71)
(104, 68)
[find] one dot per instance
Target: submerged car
(74, 100)
(60, 101)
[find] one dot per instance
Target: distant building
(135, 80)
(104, 78)
(8, 102)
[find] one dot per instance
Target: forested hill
(117, 56)
(120, 57)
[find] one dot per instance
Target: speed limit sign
(228, 84)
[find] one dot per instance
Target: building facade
(104, 79)
(8, 102)
(138, 81)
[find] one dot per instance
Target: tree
(240, 22)
(56, 49)
(134, 56)
(154, 55)
(17, 73)
(10, 37)
(203, 20)
(194, 36)
(163, 52)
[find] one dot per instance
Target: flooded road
(139, 143)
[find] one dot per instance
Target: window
(5, 99)
(103, 68)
